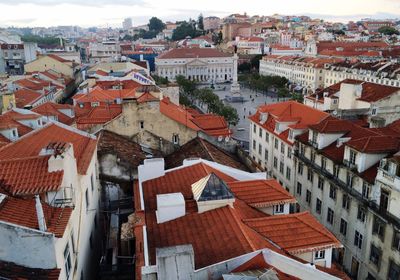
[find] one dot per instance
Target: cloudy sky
(111, 12)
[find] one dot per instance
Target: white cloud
(112, 12)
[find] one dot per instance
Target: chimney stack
(40, 214)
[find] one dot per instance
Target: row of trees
(189, 94)
(48, 40)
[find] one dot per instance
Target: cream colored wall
(128, 124)
(45, 63)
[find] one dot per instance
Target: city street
(248, 107)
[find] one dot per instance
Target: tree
(244, 67)
(283, 92)
(156, 25)
(230, 114)
(387, 30)
(184, 30)
(217, 38)
(200, 23)
(255, 61)
(186, 86)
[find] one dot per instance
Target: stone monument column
(235, 87)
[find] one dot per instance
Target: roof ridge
(206, 149)
(24, 158)
(241, 225)
(308, 214)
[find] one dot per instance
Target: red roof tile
(53, 109)
(212, 125)
(22, 212)
(146, 97)
(193, 53)
(257, 263)
(261, 193)
(289, 111)
(105, 96)
(28, 176)
(375, 144)
(295, 233)
(25, 97)
(215, 235)
(31, 144)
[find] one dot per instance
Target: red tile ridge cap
(241, 226)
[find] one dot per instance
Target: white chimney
(40, 214)
(151, 168)
(170, 207)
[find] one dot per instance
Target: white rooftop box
(170, 207)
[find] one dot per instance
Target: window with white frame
(319, 255)
(279, 208)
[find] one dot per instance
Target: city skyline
(46, 13)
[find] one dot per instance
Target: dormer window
(320, 255)
(353, 156)
(14, 133)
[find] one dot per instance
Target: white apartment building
(307, 72)
(106, 51)
(317, 72)
(380, 103)
(337, 163)
(204, 65)
(57, 165)
(273, 129)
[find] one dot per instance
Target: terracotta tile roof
(258, 263)
(27, 176)
(10, 120)
(261, 193)
(289, 111)
(31, 144)
(98, 94)
(200, 148)
(374, 92)
(58, 58)
(125, 84)
(182, 180)
(13, 271)
(332, 125)
(212, 125)
(215, 235)
(53, 109)
(22, 212)
(146, 97)
(295, 233)
(375, 144)
(24, 97)
(193, 53)
(88, 117)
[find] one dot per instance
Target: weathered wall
(27, 247)
(128, 124)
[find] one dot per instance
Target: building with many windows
(272, 137)
(344, 179)
(205, 65)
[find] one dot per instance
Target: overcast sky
(111, 12)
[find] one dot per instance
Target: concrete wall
(45, 63)
(27, 247)
(128, 124)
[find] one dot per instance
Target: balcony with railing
(388, 178)
(372, 205)
(349, 164)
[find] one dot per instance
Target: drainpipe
(40, 214)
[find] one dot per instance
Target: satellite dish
(227, 139)
(220, 138)
(334, 113)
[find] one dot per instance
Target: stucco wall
(27, 247)
(128, 124)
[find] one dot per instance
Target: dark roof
(13, 271)
(125, 149)
(200, 148)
